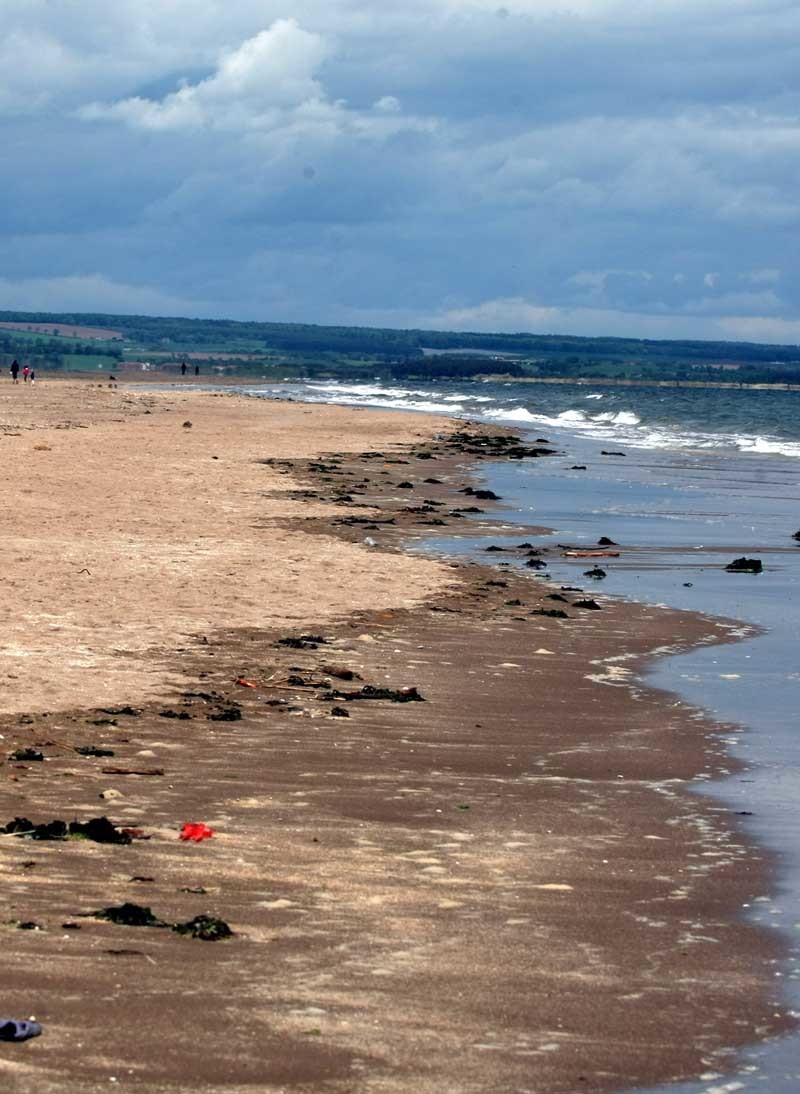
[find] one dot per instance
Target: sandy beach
(495, 881)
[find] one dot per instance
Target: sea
(685, 480)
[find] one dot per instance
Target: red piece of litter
(196, 832)
(246, 683)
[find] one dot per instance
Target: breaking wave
(656, 423)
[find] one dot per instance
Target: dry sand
(128, 534)
(504, 887)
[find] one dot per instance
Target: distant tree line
(49, 352)
(402, 350)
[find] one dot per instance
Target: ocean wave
(626, 427)
(380, 390)
(403, 404)
(622, 417)
(410, 404)
(574, 419)
(769, 447)
(621, 427)
(513, 414)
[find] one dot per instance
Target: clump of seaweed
(208, 928)
(98, 829)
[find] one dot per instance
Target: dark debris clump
(208, 928)
(401, 695)
(98, 830)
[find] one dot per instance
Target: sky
(597, 167)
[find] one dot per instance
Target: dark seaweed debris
(303, 642)
(98, 829)
(26, 755)
(129, 915)
(481, 495)
(228, 714)
(208, 928)
(496, 446)
(403, 695)
(745, 566)
(362, 520)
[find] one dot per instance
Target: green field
(85, 362)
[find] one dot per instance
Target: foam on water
(624, 426)
(514, 414)
(682, 420)
(769, 447)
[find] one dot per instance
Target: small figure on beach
(33, 376)
(197, 370)
(14, 370)
(183, 368)
(25, 374)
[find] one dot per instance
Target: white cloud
(388, 104)
(267, 74)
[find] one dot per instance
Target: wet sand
(503, 886)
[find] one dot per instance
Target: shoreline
(600, 381)
(165, 377)
(419, 903)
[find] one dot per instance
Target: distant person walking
(183, 368)
(14, 370)
(25, 374)
(197, 370)
(33, 377)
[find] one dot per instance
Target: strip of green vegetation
(29, 337)
(84, 362)
(287, 349)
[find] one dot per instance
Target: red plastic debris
(246, 683)
(196, 832)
